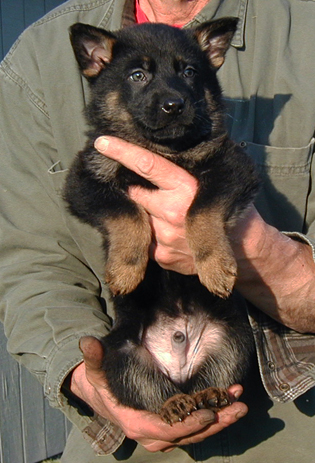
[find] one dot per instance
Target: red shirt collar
(141, 17)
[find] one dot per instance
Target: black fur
(156, 86)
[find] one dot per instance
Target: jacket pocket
(286, 180)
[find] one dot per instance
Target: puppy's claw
(213, 402)
(201, 405)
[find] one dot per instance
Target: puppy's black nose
(173, 106)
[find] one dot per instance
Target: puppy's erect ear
(92, 48)
(214, 37)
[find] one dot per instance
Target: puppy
(178, 341)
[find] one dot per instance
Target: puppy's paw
(127, 245)
(177, 408)
(218, 273)
(214, 259)
(123, 277)
(213, 398)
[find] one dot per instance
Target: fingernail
(168, 450)
(240, 414)
(237, 394)
(101, 144)
(207, 417)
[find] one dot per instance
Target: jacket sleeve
(50, 295)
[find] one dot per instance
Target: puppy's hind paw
(213, 398)
(177, 408)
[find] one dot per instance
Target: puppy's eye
(138, 76)
(189, 72)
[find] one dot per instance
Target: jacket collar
(239, 36)
(216, 9)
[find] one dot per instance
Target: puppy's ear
(214, 37)
(92, 48)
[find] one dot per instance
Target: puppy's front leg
(127, 246)
(214, 258)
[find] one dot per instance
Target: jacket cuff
(63, 359)
(303, 239)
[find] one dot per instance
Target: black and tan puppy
(156, 86)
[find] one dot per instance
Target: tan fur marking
(115, 109)
(214, 259)
(90, 72)
(217, 61)
(128, 244)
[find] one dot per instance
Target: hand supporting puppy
(89, 384)
(167, 206)
(276, 273)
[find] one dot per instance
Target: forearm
(275, 273)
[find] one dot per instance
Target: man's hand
(167, 206)
(276, 273)
(89, 384)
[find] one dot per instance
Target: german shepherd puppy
(174, 335)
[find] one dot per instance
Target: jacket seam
(17, 79)
(14, 77)
(60, 12)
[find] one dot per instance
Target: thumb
(153, 167)
(93, 354)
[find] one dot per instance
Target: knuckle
(146, 164)
(163, 256)
(167, 236)
(131, 434)
(152, 449)
(191, 188)
(174, 216)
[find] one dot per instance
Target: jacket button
(284, 387)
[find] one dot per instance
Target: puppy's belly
(179, 346)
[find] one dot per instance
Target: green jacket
(51, 274)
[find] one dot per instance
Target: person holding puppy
(51, 266)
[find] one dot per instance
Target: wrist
(249, 237)
(260, 249)
(72, 392)
(78, 384)
(275, 272)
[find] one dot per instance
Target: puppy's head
(153, 84)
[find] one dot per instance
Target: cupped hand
(89, 384)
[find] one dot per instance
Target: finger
(152, 426)
(226, 417)
(169, 449)
(168, 205)
(160, 436)
(93, 354)
(235, 392)
(150, 200)
(201, 424)
(158, 170)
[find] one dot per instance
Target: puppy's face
(154, 84)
